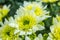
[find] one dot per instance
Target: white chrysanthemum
(7, 32)
(26, 22)
(37, 8)
(4, 11)
(40, 37)
(55, 30)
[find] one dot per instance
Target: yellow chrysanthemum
(29, 16)
(38, 11)
(34, 6)
(37, 8)
(5, 10)
(55, 29)
(55, 32)
(7, 33)
(26, 22)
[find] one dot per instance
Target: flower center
(26, 22)
(8, 33)
(29, 7)
(38, 11)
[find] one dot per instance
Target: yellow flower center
(26, 22)
(38, 11)
(29, 7)
(7, 32)
(36, 8)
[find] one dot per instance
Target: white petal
(13, 25)
(36, 38)
(44, 17)
(35, 29)
(49, 38)
(29, 33)
(16, 31)
(52, 28)
(22, 33)
(40, 36)
(40, 27)
(55, 21)
(45, 7)
(26, 3)
(27, 38)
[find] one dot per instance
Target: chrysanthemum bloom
(7, 32)
(55, 30)
(26, 22)
(28, 18)
(4, 11)
(37, 8)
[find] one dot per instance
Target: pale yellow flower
(4, 11)
(37, 9)
(7, 32)
(55, 32)
(55, 29)
(26, 22)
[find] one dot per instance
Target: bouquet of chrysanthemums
(30, 20)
